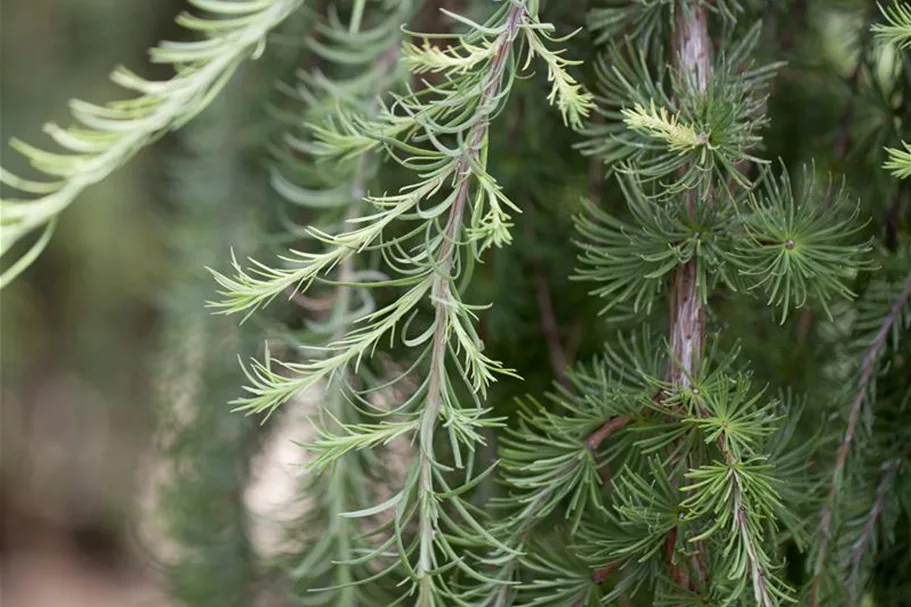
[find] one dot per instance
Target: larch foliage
(602, 302)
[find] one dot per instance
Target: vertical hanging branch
(441, 293)
(687, 325)
(455, 209)
(347, 72)
(867, 375)
(687, 316)
(889, 472)
(208, 453)
(559, 360)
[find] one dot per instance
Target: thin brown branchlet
(441, 295)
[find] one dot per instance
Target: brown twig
(594, 440)
(574, 340)
(867, 369)
(599, 575)
(549, 328)
(805, 321)
(687, 313)
(797, 19)
(679, 574)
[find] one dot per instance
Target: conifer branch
(430, 415)
(889, 472)
(677, 153)
(545, 468)
(330, 570)
(208, 453)
(747, 507)
(441, 133)
(896, 30)
(108, 136)
(687, 315)
(757, 571)
(868, 368)
(659, 474)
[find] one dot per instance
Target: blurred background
(77, 332)
(84, 330)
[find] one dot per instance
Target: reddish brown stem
(558, 359)
(593, 442)
(573, 341)
(867, 369)
(441, 292)
(679, 574)
(687, 324)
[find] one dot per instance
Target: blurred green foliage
(87, 310)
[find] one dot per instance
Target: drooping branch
(868, 367)
(560, 361)
(106, 137)
(890, 470)
(441, 294)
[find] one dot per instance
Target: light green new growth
(661, 124)
(899, 162)
(108, 136)
(896, 31)
(661, 472)
(431, 58)
(574, 102)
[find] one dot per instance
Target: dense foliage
(604, 302)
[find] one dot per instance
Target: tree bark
(687, 314)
